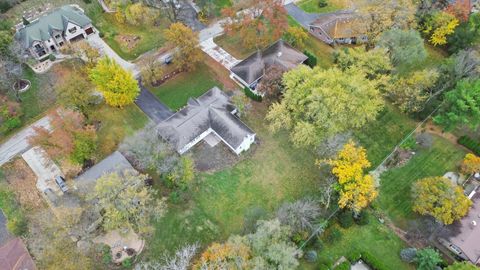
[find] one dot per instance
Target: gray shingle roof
(279, 53)
(41, 29)
(116, 162)
(211, 110)
(342, 24)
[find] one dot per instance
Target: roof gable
(343, 24)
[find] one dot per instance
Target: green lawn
(115, 124)
(151, 37)
(175, 92)
(395, 189)
(374, 238)
(233, 45)
(381, 136)
(312, 6)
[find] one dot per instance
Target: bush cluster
(16, 221)
(312, 59)
(470, 144)
(345, 219)
(344, 266)
(252, 95)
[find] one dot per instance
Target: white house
(48, 33)
(209, 117)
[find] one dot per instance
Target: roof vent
(474, 223)
(279, 54)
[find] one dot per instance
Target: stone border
(29, 84)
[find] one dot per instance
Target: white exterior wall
(247, 141)
(244, 146)
(68, 36)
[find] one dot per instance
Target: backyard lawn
(176, 91)
(396, 184)
(312, 6)
(149, 37)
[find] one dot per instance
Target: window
(72, 30)
(60, 44)
(57, 36)
(37, 46)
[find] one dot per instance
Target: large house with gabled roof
(49, 32)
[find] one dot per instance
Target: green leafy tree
(438, 25)
(404, 46)
(320, 103)
(461, 106)
(76, 93)
(411, 91)
(125, 202)
(185, 40)
(440, 198)
(466, 35)
(427, 259)
(296, 36)
(5, 42)
(461, 266)
(117, 85)
(84, 145)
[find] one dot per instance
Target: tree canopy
(439, 198)
(357, 189)
(320, 103)
(437, 25)
(185, 40)
(404, 46)
(461, 266)
(461, 106)
(117, 85)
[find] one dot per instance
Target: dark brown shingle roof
(14, 256)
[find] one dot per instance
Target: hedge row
(252, 95)
(470, 144)
(312, 59)
(16, 221)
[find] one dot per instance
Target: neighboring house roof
(279, 53)
(14, 256)
(211, 110)
(115, 162)
(4, 234)
(465, 233)
(41, 29)
(344, 24)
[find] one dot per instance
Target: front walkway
(218, 54)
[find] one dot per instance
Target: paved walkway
(151, 106)
(18, 143)
(218, 54)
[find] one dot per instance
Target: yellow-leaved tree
(118, 86)
(187, 54)
(357, 189)
(440, 198)
(438, 26)
(470, 164)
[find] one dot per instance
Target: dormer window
(37, 46)
(72, 30)
(57, 36)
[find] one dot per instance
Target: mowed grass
(151, 37)
(374, 238)
(176, 91)
(114, 125)
(395, 189)
(233, 45)
(381, 136)
(272, 172)
(311, 6)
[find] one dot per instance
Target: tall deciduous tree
(151, 70)
(271, 84)
(299, 215)
(357, 189)
(439, 198)
(438, 25)
(319, 103)
(404, 46)
(428, 259)
(76, 93)
(411, 91)
(461, 106)
(470, 164)
(380, 15)
(117, 85)
(257, 23)
(185, 40)
(125, 202)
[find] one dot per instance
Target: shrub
(322, 3)
(16, 221)
(312, 59)
(345, 219)
(17, 224)
(252, 95)
(363, 218)
(87, 1)
(408, 254)
(323, 267)
(106, 254)
(127, 263)
(470, 144)
(354, 256)
(311, 256)
(11, 123)
(52, 57)
(84, 147)
(101, 34)
(344, 266)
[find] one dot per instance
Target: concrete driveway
(151, 106)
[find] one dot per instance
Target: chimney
(473, 223)
(279, 54)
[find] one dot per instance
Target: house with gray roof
(343, 27)
(251, 70)
(49, 32)
(209, 115)
(463, 236)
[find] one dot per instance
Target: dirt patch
(211, 159)
(221, 74)
(128, 41)
(433, 129)
(23, 183)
